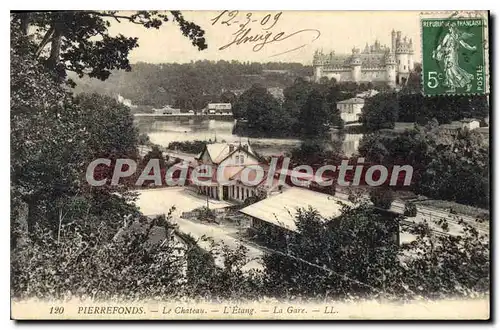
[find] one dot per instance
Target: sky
(307, 31)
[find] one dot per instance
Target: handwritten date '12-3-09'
(267, 34)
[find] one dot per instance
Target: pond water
(163, 132)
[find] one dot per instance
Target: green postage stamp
(453, 55)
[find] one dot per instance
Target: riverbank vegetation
(190, 147)
(308, 109)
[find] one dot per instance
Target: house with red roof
(237, 173)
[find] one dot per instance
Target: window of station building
(236, 159)
(242, 159)
(404, 67)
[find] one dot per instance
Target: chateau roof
(344, 60)
(340, 60)
(372, 60)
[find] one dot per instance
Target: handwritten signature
(247, 31)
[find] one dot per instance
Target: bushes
(143, 139)
(192, 147)
(382, 197)
(205, 214)
(452, 166)
(83, 263)
(410, 209)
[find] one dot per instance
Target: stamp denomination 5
(453, 56)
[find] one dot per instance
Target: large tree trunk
(55, 47)
(24, 17)
(45, 41)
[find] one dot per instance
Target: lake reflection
(350, 144)
(164, 132)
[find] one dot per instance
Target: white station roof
(281, 209)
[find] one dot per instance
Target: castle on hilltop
(376, 63)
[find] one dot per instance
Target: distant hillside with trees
(192, 85)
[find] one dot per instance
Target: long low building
(273, 220)
(279, 209)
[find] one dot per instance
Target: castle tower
(411, 63)
(318, 65)
(390, 68)
(355, 65)
(402, 58)
(393, 38)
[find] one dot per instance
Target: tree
(143, 139)
(109, 125)
(357, 255)
(102, 264)
(155, 153)
(459, 170)
(228, 97)
(55, 135)
(47, 140)
(348, 256)
(315, 116)
(410, 209)
(414, 83)
(73, 46)
(380, 111)
(449, 165)
(443, 266)
(189, 86)
(263, 113)
(295, 98)
(317, 152)
(382, 197)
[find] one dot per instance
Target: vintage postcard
(250, 165)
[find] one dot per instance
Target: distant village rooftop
(469, 123)
(368, 94)
(354, 100)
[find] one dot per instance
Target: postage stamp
(453, 56)
(249, 165)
